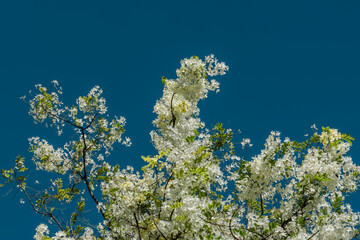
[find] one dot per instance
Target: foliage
(195, 187)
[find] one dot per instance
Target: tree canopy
(197, 186)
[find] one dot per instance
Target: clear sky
(292, 64)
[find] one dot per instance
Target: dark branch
(138, 227)
(173, 119)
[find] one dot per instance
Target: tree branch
(173, 119)
(46, 213)
(138, 227)
(262, 205)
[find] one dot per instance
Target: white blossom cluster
(42, 231)
(47, 158)
(328, 137)
(171, 195)
(46, 105)
(95, 133)
(304, 192)
(195, 187)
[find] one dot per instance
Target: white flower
(41, 231)
(246, 141)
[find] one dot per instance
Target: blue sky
(292, 64)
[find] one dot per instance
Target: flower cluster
(47, 158)
(196, 187)
(329, 136)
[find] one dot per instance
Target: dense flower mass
(196, 187)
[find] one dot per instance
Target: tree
(196, 187)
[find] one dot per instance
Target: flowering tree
(196, 187)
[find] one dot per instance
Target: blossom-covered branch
(197, 186)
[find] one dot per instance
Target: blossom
(246, 141)
(195, 187)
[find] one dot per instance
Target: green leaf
(81, 206)
(337, 203)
